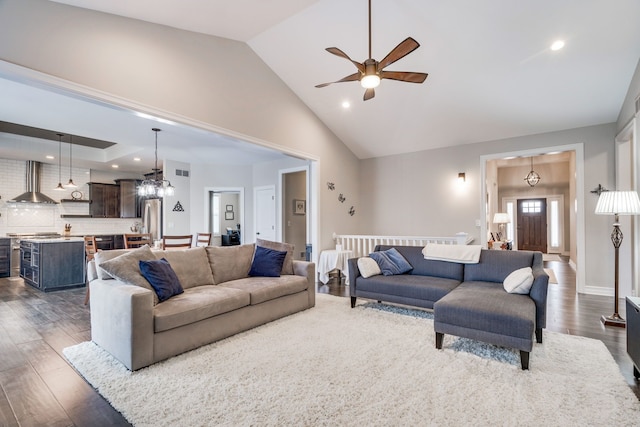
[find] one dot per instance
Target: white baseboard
(597, 290)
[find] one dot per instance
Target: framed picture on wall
(299, 207)
(229, 209)
(228, 216)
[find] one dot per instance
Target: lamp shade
(501, 218)
(618, 203)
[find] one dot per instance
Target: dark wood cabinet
(52, 264)
(130, 202)
(105, 200)
(5, 257)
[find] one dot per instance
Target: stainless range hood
(33, 194)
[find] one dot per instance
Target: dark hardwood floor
(39, 388)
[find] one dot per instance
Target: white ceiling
(491, 72)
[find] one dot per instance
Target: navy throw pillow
(391, 262)
(267, 262)
(161, 277)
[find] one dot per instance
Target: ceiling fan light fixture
(370, 81)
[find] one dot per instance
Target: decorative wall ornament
(299, 207)
(178, 207)
(341, 198)
(599, 189)
(331, 186)
(352, 211)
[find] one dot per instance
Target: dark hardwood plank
(11, 356)
(84, 406)
(31, 400)
(41, 356)
(7, 417)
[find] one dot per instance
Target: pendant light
(59, 187)
(70, 184)
(156, 188)
(532, 177)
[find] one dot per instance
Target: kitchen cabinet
(5, 257)
(52, 264)
(130, 202)
(107, 242)
(105, 200)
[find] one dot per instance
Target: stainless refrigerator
(152, 218)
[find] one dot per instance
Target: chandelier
(532, 177)
(156, 188)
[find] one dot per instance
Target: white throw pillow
(519, 281)
(368, 267)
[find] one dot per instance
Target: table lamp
(617, 203)
(501, 218)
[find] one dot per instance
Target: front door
(532, 225)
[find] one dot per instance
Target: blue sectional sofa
(468, 300)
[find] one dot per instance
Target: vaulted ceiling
(492, 74)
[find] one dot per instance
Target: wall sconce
(462, 177)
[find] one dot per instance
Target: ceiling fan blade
(341, 54)
(350, 78)
(399, 52)
(404, 76)
(368, 94)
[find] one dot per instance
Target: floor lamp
(617, 203)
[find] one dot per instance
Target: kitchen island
(52, 264)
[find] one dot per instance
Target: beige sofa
(219, 300)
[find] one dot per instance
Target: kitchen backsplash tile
(46, 218)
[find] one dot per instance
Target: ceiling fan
(370, 72)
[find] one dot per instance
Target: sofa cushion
(368, 267)
(195, 304)
(486, 306)
(495, 265)
(191, 266)
(126, 268)
(425, 288)
(267, 288)
(519, 281)
(287, 266)
(161, 277)
(267, 262)
(102, 256)
(230, 262)
(425, 267)
(391, 262)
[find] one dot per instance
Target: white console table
(334, 260)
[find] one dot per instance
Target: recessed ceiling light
(115, 166)
(346, 104)
(50, 157)
(557, 45)
(136, 159)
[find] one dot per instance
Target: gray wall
(219, 82)
(628, 106)
(418, 193)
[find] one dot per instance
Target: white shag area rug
(551, 257)
(552, 276)
(371, 365)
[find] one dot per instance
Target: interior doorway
(265, 212)
(224, 215)
(295, 210)
(568, 200)
(532, 225)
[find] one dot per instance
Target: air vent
(182, 172)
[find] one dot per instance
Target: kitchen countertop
(55, 240)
